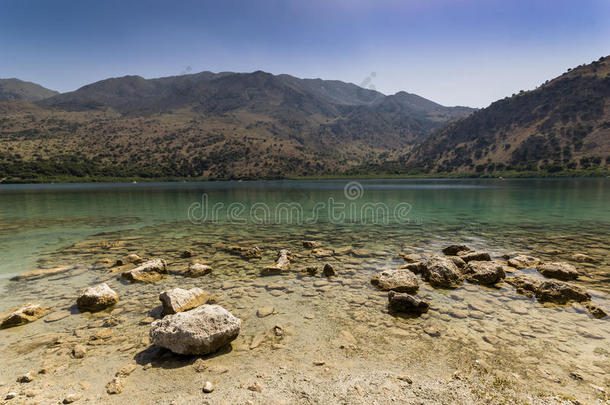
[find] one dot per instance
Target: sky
(454, 52)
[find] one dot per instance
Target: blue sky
(455, 52)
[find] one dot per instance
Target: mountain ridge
(16, 89)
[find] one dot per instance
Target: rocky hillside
(15, 89)
(564, 123)
(214, 125)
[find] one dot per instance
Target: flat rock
(583, 258)
(40, 273)
(180, 300)
(558, 270)
(97, 298)
(200, 331)
(57, 316)
(524, 262)
(319, 252)
(402, 302)
(265, 311)
(400, 280)
(149, 272)
(485, 272)
(472, 256)
(453, 250)
(246, 252)
(555, 291)
(198, 270)
(441, 272)
(26, 314)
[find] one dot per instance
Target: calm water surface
(526, 348)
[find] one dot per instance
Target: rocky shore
(299, 321)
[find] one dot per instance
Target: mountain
(214, 125)
(15, 89)
(564, 123)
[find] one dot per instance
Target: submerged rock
(149, 272)
(596, 311)
(26, 314)
(400, 280)
(559, 270)
(265, 311)
(282, 263)
(415, 267)
(187, 253)
(524, 262)
(202, 330)
(246, 252)
(198, 270)
(310, 244)
(453, 250)
(402, 302)
(474, 256)
(97, 298)
(441, 272)
(40, 273)
(329, 270)
(485, 272)
(583, 258)
(320, 252)
(179, 300)
(555, 291)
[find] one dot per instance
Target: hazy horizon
(468, 53)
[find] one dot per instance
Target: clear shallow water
(37, 219)
(527, 345)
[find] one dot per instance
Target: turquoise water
(38, 219)
(362, 228)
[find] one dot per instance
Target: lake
(362, 227)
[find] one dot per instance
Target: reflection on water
(525, 344)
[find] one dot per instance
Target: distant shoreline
(593, 173)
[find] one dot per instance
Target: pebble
(10, 395)
(26, 378)
(79, 351)
(255, 387)
(71, 398)
(319, 363)
(265, 311)
(115, 386)
(405, 378)
(208, 387)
